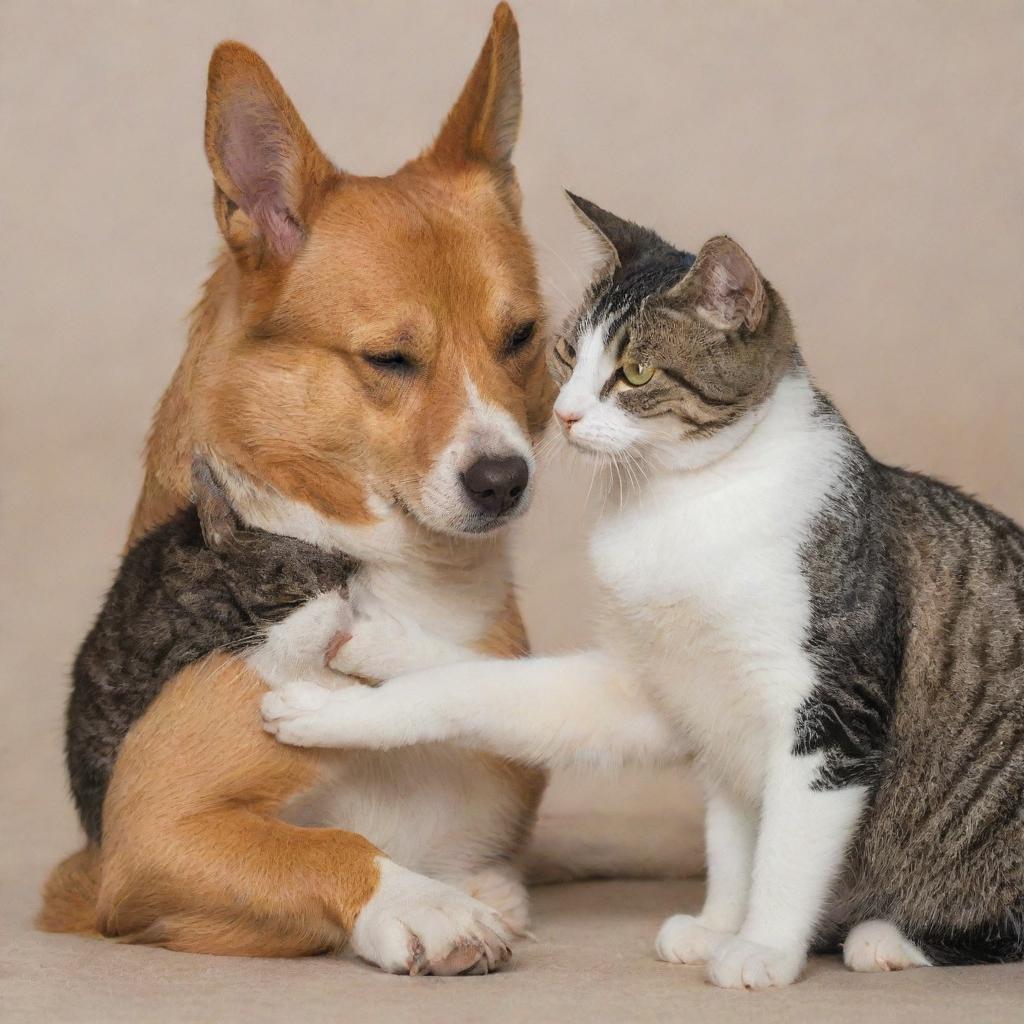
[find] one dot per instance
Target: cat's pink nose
(567, 419)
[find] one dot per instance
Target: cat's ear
(726, 288)
(622, 239)
(268, 172)
(483, 126)
(217, 518)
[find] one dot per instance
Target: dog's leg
(193, 857)
(546, 711)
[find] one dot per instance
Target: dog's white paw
(293, 713)
(415, 925)
(739, 963)
(880, 946)
(684, 940)
(501, 888)
(381, 646)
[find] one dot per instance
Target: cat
(201, 582)
(837, 643)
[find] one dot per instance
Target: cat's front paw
(881, 946)
(740, 963)
(295, 714)
(683, 939)
(380, 647)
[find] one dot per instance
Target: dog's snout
(495, 485)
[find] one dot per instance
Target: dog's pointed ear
(268, 172)
(218, 520)
(483, 125)
(727, 289)
(621, 239)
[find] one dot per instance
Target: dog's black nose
(496, 484)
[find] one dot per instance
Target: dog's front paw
(739, 963)
(415, 925)
(294, 714)
(685, 940)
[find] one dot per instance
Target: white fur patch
(295, 647)
(415, 925)
(880, 946)
(484, 429)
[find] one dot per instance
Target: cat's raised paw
(684, 940)
(380, 647)
(880, 946)
(739, 963)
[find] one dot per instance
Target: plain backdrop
(869, 154)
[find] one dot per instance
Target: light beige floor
(591, 962)
(867, 152)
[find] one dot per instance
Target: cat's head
(671, 356)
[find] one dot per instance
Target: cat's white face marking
(597, 423)
(600, 426)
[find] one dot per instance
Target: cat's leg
(545, 711)
(881, 946)
(803, 837)
(730, 834)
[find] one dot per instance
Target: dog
(370, 351)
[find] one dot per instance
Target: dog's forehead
(447, 248)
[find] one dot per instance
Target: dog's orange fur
(432, 260)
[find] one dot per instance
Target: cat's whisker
(576, 276)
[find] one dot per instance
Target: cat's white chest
(707, 602)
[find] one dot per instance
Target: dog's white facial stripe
(483, 429)
(490, 430)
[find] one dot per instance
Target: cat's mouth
(594, 447)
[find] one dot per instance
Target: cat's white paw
(415, 925)
(381, 646)
(739, 963)
(502, 889)
(294, 714)
(880, 946)
(682, 939)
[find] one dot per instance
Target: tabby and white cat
(839, 644)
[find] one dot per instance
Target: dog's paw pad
(415, 925)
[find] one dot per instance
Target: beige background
(869, 155)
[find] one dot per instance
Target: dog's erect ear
(483, 125)
(730, 292)
(268, 171)
(622, 239)
(217, 518)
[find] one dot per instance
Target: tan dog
(366, 349)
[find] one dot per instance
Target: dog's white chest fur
(706, 599)
(434, 808)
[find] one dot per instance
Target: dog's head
(380, 338)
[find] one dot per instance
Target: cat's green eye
(636, 373)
